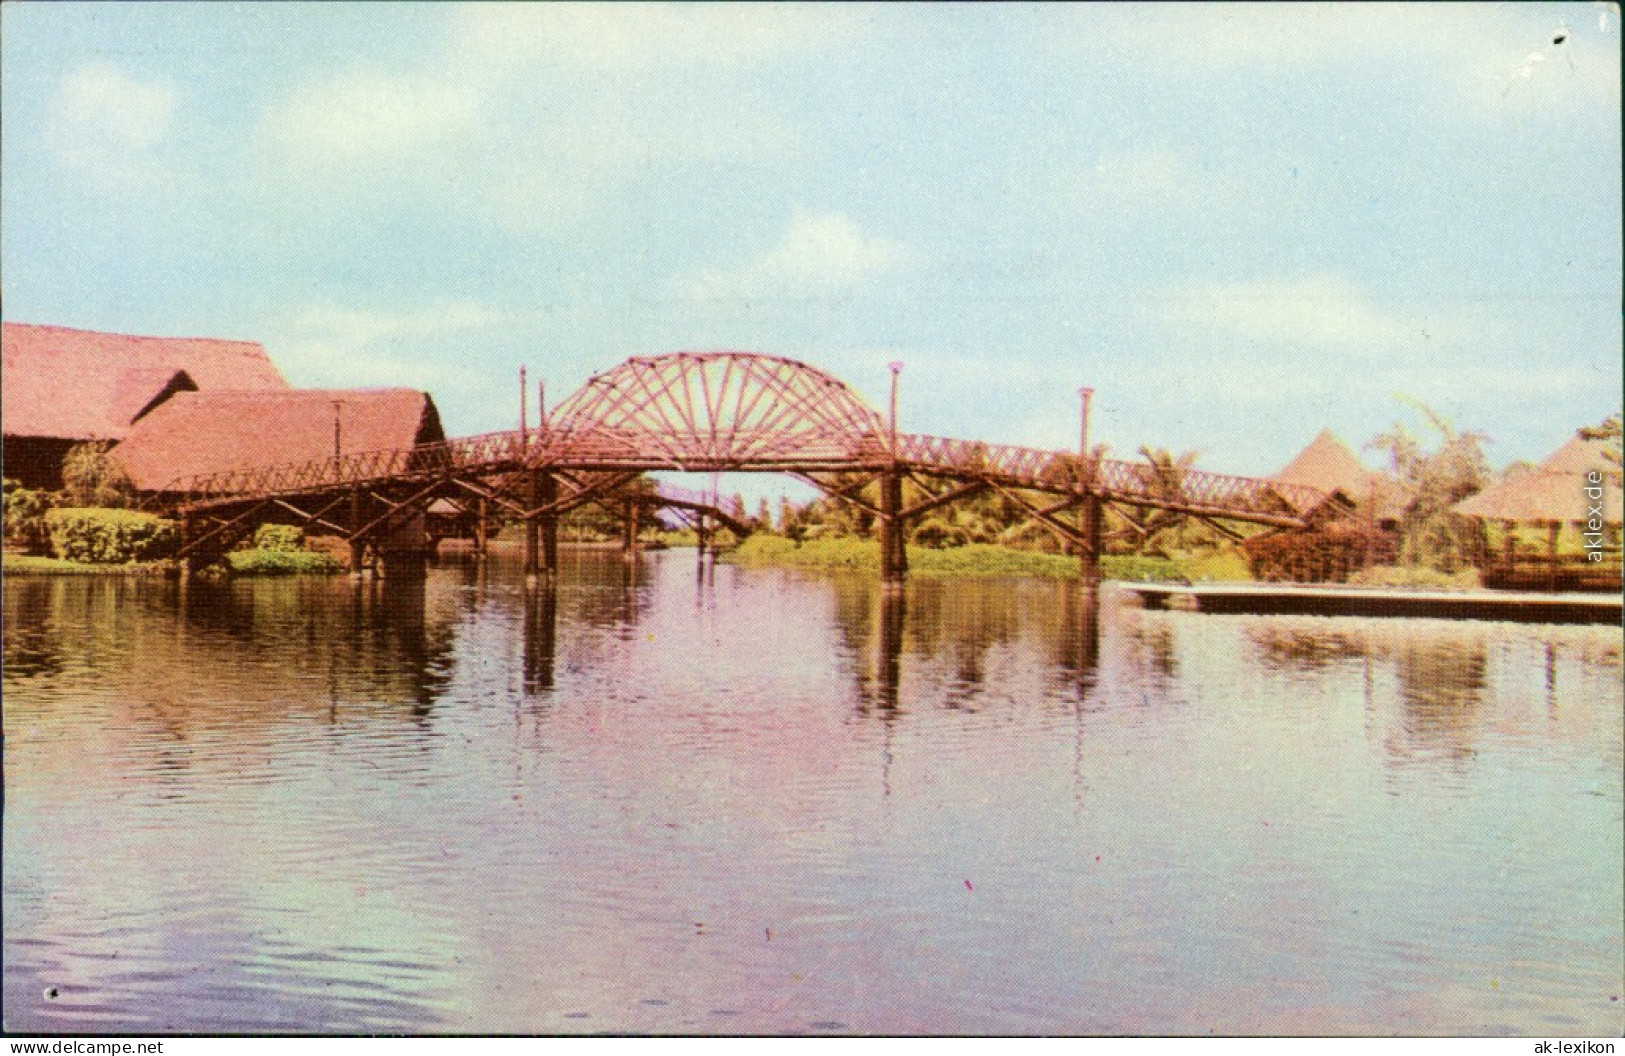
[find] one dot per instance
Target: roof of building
(1328, 464)
(197, 433)
(83, 385)
(1555, 491)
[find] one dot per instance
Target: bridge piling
(629, 538)
(738, 412)
(893, 551)
(541, 528)
(1091, 516)
(358, 546)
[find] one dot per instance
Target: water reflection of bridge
(705, 412)
(379, 653)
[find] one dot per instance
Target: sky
(1238, 224)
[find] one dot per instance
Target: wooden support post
(194, 561)
(533, 499)
(547, 494)
(629, 540)
(893, 550)
(1552, 530)
(1091, 509)
(482, 527)
(1091, 515)
(404, 565)
(357, 546)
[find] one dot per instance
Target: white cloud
(1471, 50)
(101, 101)
(644, 35)
(818, 253)
(366, 114)
(327, 344)
(534, 114)
(1142, 176)
(1305, 313)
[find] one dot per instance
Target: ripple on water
(760, 806)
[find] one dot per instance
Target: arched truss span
(714, 410)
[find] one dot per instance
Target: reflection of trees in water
(1441, 684)
(613, 594)
(239, 655)
(1148, 646)
(1441, 676)
(954, 627)
(1077, 646)
(33, 638)
(1289, 648)
(960, 623)
(870, 625)
(541, 637)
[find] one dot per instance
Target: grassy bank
(283, 563)
(241, 563)
(974, 559)
(33, 565)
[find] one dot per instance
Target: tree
(91, 476)
(1431, 533)
(1608, 429)
(1164, 476)
(25, 515)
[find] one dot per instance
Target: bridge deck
(1197, 492)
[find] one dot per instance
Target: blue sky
(1238, 224)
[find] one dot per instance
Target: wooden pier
(1279, 599)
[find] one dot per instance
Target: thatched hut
(1328, 464)
(197, 433)
(65, 387)
(1577, 485)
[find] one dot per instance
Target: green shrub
(110, 537)
(1326, 555)
(25, 515)
(1218, 566)
(971, 559)
(282, 563)
(93, 479)
(986, 559)
(1136, 568)
(1413, 576)
(283, 537)
(934, 533)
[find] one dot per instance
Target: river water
(662, 799)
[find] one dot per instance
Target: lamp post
(896, 367)
(338, 434)
(1090, 514)
(1084, 395)
(524, 402)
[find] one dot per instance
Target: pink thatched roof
(196, 433)
(1555, 491)
(82, 385)
(1327, 463)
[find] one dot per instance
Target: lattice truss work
(1134, 484)
(717, 410)
(710, 411)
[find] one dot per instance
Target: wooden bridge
(704, 412)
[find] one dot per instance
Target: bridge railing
(681, 447)
(1142, 482)
(360, 467)
(1192, 490)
